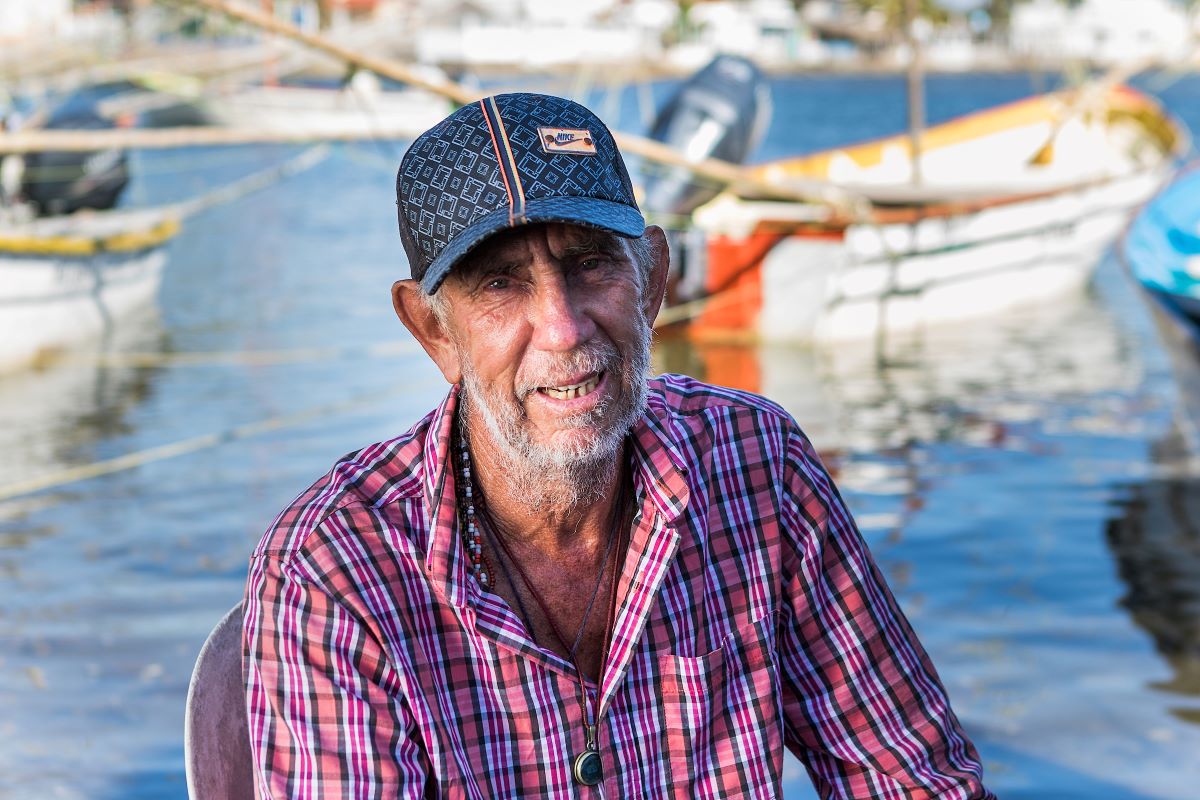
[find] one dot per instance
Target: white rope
(194, 444)
(253, 183)
(256, 358)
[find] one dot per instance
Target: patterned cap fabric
(505, 161)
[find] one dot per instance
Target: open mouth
(574, 390)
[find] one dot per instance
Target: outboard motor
(65, 182)
(720, 112)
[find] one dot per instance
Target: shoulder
(708, 427)
(681, 396)
(699, 419)
(378, 475)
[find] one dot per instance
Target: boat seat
(216, 741)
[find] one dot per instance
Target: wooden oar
(741, 179)
(1084, 97)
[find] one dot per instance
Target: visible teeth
(574, 390)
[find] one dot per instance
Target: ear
(413, 310)
(656, 277)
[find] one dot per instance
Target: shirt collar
(444, 558)
(660, 464)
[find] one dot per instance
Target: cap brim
(591, 212)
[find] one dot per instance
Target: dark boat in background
(73, 261)
(57, 183)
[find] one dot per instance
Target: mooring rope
(165, 219)
(255, 358)
(194, 444)
(252, 183)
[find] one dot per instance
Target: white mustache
(548, 370)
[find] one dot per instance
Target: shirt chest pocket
(720, 716)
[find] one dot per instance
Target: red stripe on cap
(518, 196)
(499, 155)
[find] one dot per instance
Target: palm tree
(894, 11)
(1000, 12)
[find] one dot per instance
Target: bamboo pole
(916, 89)
(840, 203)
(33, 141)
(385, 67)
(740, 178)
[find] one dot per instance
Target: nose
(560, 323)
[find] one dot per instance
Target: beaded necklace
(472, 537)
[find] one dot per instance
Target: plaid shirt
(750, 616)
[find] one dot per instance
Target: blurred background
(957, 239)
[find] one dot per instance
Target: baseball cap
(502, 162)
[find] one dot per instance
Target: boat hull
(1161, 250)
(49, 304)
(67, 281)
(903, 278)
(945, 252)
(327, 111)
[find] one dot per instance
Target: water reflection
(1155, 538)
(873, 409)
(55, 650)
(54, 414)
(967, 383)
(1156, 543)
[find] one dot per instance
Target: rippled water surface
(1016, 479)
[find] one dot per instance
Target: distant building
(533, 34)
(772, 32)
(28, 18)
(1104, 32)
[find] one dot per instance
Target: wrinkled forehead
(513, 246)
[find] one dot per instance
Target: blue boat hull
(1161, 249)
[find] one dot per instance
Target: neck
(556, 512)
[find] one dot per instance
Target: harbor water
(1017, 478)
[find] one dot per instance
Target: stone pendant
(588, 770)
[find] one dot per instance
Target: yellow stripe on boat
(141, 240)
(131, 241)
(1047, 110)
(48, 245)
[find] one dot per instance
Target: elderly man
(571, 579)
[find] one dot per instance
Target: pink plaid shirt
(750, 617)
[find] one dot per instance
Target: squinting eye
(497, 283)
(590, 263)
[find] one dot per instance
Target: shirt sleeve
(863, 706)
(320, 695)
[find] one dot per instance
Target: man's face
(553, 341)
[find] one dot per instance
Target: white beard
(538, 475)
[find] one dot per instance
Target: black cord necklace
(489, 529)
(587, 767)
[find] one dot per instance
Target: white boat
(360, 107)
(1015, 205)
(66, 280)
